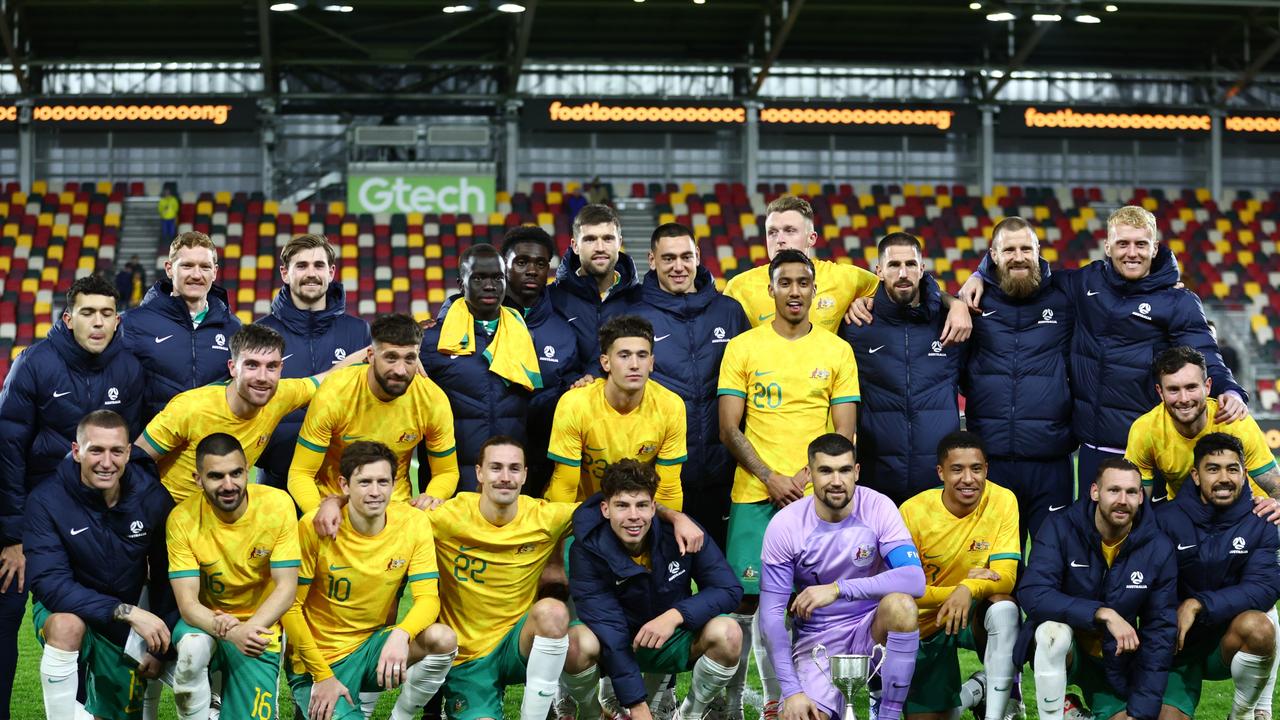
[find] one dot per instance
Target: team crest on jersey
(1135, 581)
(1238, 546)
(648, 448)
(220, 339)
(262, 440)
(260, 552)
(979, 546)
(340, 354)
(719, 333)
(459, 704)
(397, 563)
(1046, 317)
(935, 350)
(750, 573)
(407, 437)
(137, 529)
(526, 548)
(826, 302)
(548, 352)
(820, 374)
(113, 396)
(863, 555)
(1143, 311)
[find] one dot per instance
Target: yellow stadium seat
(222, 197)
(232, 251)
(943, 201)
(1222, 246)
(245, 316)
(90, 241)
(866, 201)
(350, 252)
(55, 252)
(721, 283)
(204, 207)
(964, 242)
(1040, 213)
(1187, 214)
(1202, 194)
(467, 230)
(248, 273)
(103, 187)
(796, 188)
(266, 229)
(80, 208)
(435, 272)
(19, 198)
(1252, 289)
(1246, 238)
(43, 328)
(941, 265)
(544, 218)
(349, 229)
(39, 187)
(1223, 225)
(245, 295)
(1150, 203)
(843, 261)
(301, 219)
(554, 198)
(350, 275)
(813, 189)
(839, 210)
(59, 231)
(1246, 216)
(1177, 246)
(886, 211)
(665, 218)
(400, 284)
(495, 219)
(45, 220)
(1220, 290)
(415, 240)
(859, 221)
(870, 253)
(701, 231)
(677, 198)
(1245, 257)
(1088, 213)
(384, 295)
(999, 191)
(745, 219)
(1257, 322)
(1049, 254)
(712, 209)
(50, 274)
(24, 240)
(435, 295)
(963, 274)
(926, 190)
(909, 190)
(433, 252)
(727, 264)
(86, 263)
(43, 308)
(337, 208)
(830, 232)
(757, 253)
(1077, 224)
(502, 196)
(111, 220)
(6, 263)
(892, 229)
(271, 207)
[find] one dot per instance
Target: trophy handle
(820, 651)
(883, 655)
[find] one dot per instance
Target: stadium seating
(1228, 251)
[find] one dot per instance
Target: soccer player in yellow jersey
(233, 564)
(348, 586)
(787, 378)
(247, 407)
(788, 225)
(967, 535)
(492, 547)
(386, 401)
(1161, 441)
(623, 415)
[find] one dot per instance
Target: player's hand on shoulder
(813, 598)
(1267, 508)
(426, 502)
(800, 707)
(324, 698)
(1231, 408)
(328, 517)
(971, 292)
(582, 382)
(689, 537)
(859, 312)
(958, 326)
(394, 660)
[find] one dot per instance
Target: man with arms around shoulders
(595, 280)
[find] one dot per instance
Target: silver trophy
(849, 674)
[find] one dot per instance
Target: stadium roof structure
(368, 48)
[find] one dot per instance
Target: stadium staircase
(141, 229)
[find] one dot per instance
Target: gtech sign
(420, 193)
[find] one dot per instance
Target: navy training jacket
(690, 335)
(557, 346)
(615, 597)
(50, 388)
(1067, 580)
(1226, 557)
(1017, 393)
(577, 299)
(176, 355)
(313, 343)
(909, 384)
(85, 558)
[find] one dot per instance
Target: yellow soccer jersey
(588, 433)
(837, 286)
(950, 546)
(234, 561)
(346, 410)
(192, 415)
(355, 580)
(789, 387)
(1156, 445)
(490, 574)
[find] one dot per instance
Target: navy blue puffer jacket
(909, 384)
(1015, 376)
(577, 299)
(690, 334)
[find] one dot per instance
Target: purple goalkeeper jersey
(801, 549)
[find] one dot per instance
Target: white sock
(421, 682)
(191, 676)
(583, 688)
(542, 673)
(768, 678)
(58, 682)
(709, 677)
(151, 701)
(1001, 622)
(607, 697)
(733, 690)
(1249, 673)
(369, 702)
(1053, 641)
(1269, 690)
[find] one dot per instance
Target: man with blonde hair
(1128, 308)
(310, 311)
(182, 330)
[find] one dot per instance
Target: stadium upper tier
(409, 262)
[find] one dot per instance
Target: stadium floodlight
(1088, 19)
(285, 6)
(1046, 17)
(699, 2)
(1002, 16)
(1111, 8)
(459, 7)
(339, 8)
(507, 7)
(975, 6)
